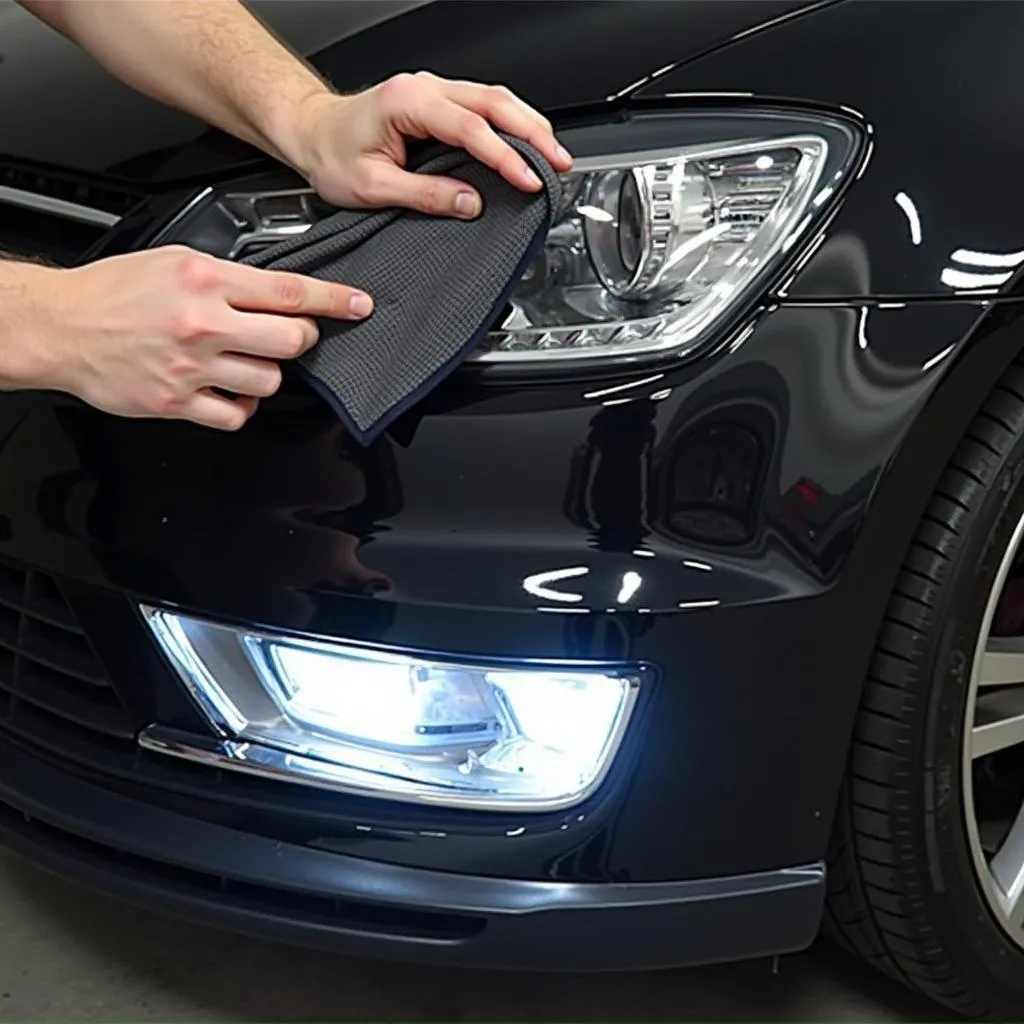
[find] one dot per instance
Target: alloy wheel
(993, 745)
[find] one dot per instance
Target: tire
(904, 889)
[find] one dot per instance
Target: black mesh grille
(52, 686)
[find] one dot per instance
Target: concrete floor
(69, 954)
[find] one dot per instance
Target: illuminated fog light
(528, 736)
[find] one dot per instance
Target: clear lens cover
(524, 736)
(647, 253)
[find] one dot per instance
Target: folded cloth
(437, 283)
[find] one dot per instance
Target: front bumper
(219, 876)
(751, 516)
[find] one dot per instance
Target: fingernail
(563, 153)
(467, 204)
(360, 305)
(530, 178)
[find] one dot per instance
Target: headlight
(515, 737)
(651, 249)
(671, 223)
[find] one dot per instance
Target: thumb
(431, 194)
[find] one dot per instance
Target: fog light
(533, 736)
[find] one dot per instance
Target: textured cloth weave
(437, 283)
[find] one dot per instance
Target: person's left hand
(352, 148)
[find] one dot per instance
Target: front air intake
(53, 218)
(54, 691)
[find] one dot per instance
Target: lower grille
(51, 682)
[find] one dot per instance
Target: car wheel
(926, 873)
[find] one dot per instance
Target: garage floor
(68, 954)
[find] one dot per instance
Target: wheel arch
(908, 484)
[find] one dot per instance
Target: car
(682, 622)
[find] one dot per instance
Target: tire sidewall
(970, 935)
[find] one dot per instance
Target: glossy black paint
(81, 119)
(766, 492)
(939, 83)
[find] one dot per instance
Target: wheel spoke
(1002, 663)
(1007, 872)
(1015, 906)
(994, 725)
(998, 721)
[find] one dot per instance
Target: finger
(389, 185)
(210, 410)
(276, 291)
(449, 122)
(508, 112)
(256, 378)
(267, 336)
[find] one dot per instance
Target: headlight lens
(648, 253)
(528, 737)
(669, 222)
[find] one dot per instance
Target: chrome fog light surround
(523, 736)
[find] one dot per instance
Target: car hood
(59, 108)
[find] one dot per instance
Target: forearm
(210, 58)
(24, 290)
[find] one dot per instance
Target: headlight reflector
(525, 737)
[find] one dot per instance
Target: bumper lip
(83, 831)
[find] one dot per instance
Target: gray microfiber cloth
(437, 283)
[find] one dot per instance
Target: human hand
(352, 148)
(151, 334)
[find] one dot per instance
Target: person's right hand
(151, 334)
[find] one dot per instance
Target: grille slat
(38, 596)
(47, 691)
(48, 612)
(44, 601)
(63, 652)
(66, 742)
(48, 670)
